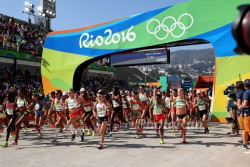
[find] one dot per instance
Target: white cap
(198, 91)
(65, 93)
(82, 90)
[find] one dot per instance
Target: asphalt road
(206, 150)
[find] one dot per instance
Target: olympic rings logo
(176, 27)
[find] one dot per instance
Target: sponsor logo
(86, 40)
(170, 26)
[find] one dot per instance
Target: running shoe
(137, 136)
(24, 130)
(247, 152)
(15, 143)
(161, 142)
(173, 131)
(12, 136)
(52, 126)
(93, 133)
(83, 131)
(184, 141)
(88, 133)
(127, 126)
(73, 137)
(110, 134)
(54, 141)
(5, 144)
(39, 135)
(100, 147)
(243, 146)
(82, 137)
(116, 129)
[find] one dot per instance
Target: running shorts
(204, 112)
(76, 113)
(158, 117)
(102, 119)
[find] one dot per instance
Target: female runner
(10, 108)
(88, 112)
(158, 107)
(57, 106)
(40, 110)
(200, 102)
(100, 110)
(117, 110)
(135, 105)
(23, 105)
(181, 111)
(73, 104)
(173, 109)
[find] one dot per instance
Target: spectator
(21, 36)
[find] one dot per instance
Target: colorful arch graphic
(209, 20)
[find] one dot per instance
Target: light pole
(41, 16)
(29, 9)
(49, 9)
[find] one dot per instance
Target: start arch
(68, 52)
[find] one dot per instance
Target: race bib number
(202, 107)
(71, 105)
(37, 106)
(124, 106)
(115, 104)
(87, 108)
(10, 111)
(135, 106)
(58, 107)
(158, 110)
(101, 113)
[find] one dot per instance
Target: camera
(231, 91)
(241, 30)
(40, 96)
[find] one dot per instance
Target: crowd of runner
(103, 112)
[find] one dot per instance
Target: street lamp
(49, 9)
(41, 15)
(29, 9)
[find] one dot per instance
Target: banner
(17, 55)
(65, 51)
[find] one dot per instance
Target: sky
(81, 13)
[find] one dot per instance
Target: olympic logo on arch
(170, 26)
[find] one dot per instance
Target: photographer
(245, 113)
(231, 108)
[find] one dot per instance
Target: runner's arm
(94, 110)
(65, 104)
